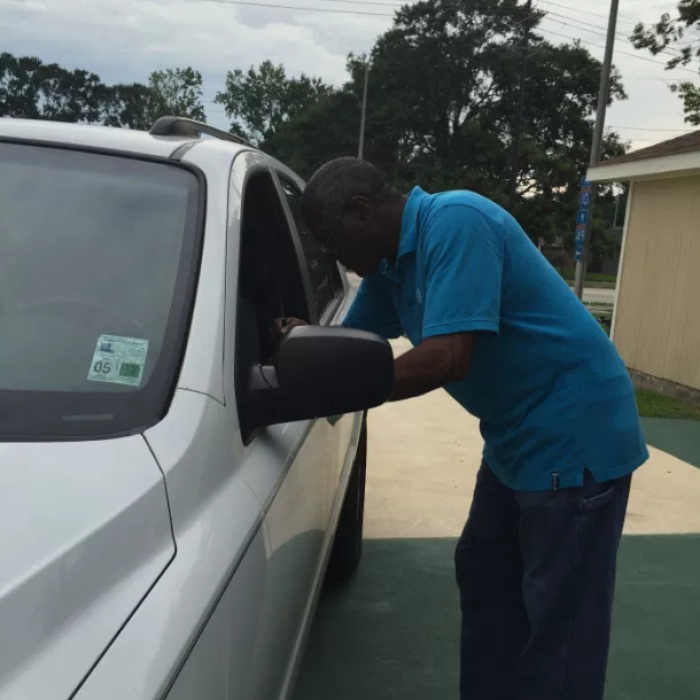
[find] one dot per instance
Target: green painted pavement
(680, 438)
(393, 632)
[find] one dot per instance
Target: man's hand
(281, 329)
(282, 326)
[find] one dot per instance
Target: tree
(70, 96)
(442, 104)
(171, 92)
(19, 86)
(680, 35)
(129, 106)
(31, 89)
(260, 100)
(176, 92)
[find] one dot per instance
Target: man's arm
(463, 258)
(431, 365)
(373, 310)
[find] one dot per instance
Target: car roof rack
(182, 126)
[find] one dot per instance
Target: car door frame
(272, 478)
(329, 313)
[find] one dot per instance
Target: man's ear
(362, 206)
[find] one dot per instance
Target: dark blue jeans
(536, 575)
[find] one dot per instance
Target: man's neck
(394, 229)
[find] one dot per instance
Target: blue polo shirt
(551, 392)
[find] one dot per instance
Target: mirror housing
(321, 372)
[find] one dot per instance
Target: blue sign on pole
(583, 216)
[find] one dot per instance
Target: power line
(623, 53)
(620, 35)
(251, 3)
(599, 30)
(372, 3)
(307, 9)
(586, 12)
(643, 128)
(646, 78)
(486, 10)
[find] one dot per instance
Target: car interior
(270, 285)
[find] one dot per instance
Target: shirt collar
(408, 241)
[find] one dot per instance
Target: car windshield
(97, 254)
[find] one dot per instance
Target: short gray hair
(333, 185)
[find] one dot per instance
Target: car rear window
(97, 253)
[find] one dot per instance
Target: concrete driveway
(424, 455)
(393, 632)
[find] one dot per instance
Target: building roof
(675, 157)
(681, 144)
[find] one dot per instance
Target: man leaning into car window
(495, 325)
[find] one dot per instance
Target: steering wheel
(79, 309)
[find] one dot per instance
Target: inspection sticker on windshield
(118, 360)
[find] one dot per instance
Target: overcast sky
(124, 40)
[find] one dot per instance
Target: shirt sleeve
(463, 253)
(373, 310)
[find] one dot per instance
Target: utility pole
(596, 147)
(361, 149)
(518, 126)
(617, 209)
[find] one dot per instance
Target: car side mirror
(321, 372)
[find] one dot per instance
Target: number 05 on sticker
(118, 360)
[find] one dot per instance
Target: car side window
(326, 283)
(270, 284)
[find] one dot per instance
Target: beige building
(656, 323)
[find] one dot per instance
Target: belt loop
(555, 482)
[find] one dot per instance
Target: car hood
(84, 533)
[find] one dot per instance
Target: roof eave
(679, 165)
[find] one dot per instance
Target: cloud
(124, 40)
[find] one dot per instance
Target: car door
(294, 462)
(327, 294)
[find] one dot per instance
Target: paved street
(599, 296)
(393, 632)
(590, 294)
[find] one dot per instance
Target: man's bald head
(352, 210)
(334, 184)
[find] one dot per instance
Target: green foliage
(442, 106)
(176, 92)
(654, 405)
(32, 89)
(442, 99)
(690, 94)
(262, 99)
(597, 277)
(129, 107)
(679, 33)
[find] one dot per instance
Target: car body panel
(216, 520)
(85, 535)
(202, 368)
(85, 136)
(252, 524)
(241, 644)
(270, 510)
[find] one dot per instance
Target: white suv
(170, 487)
